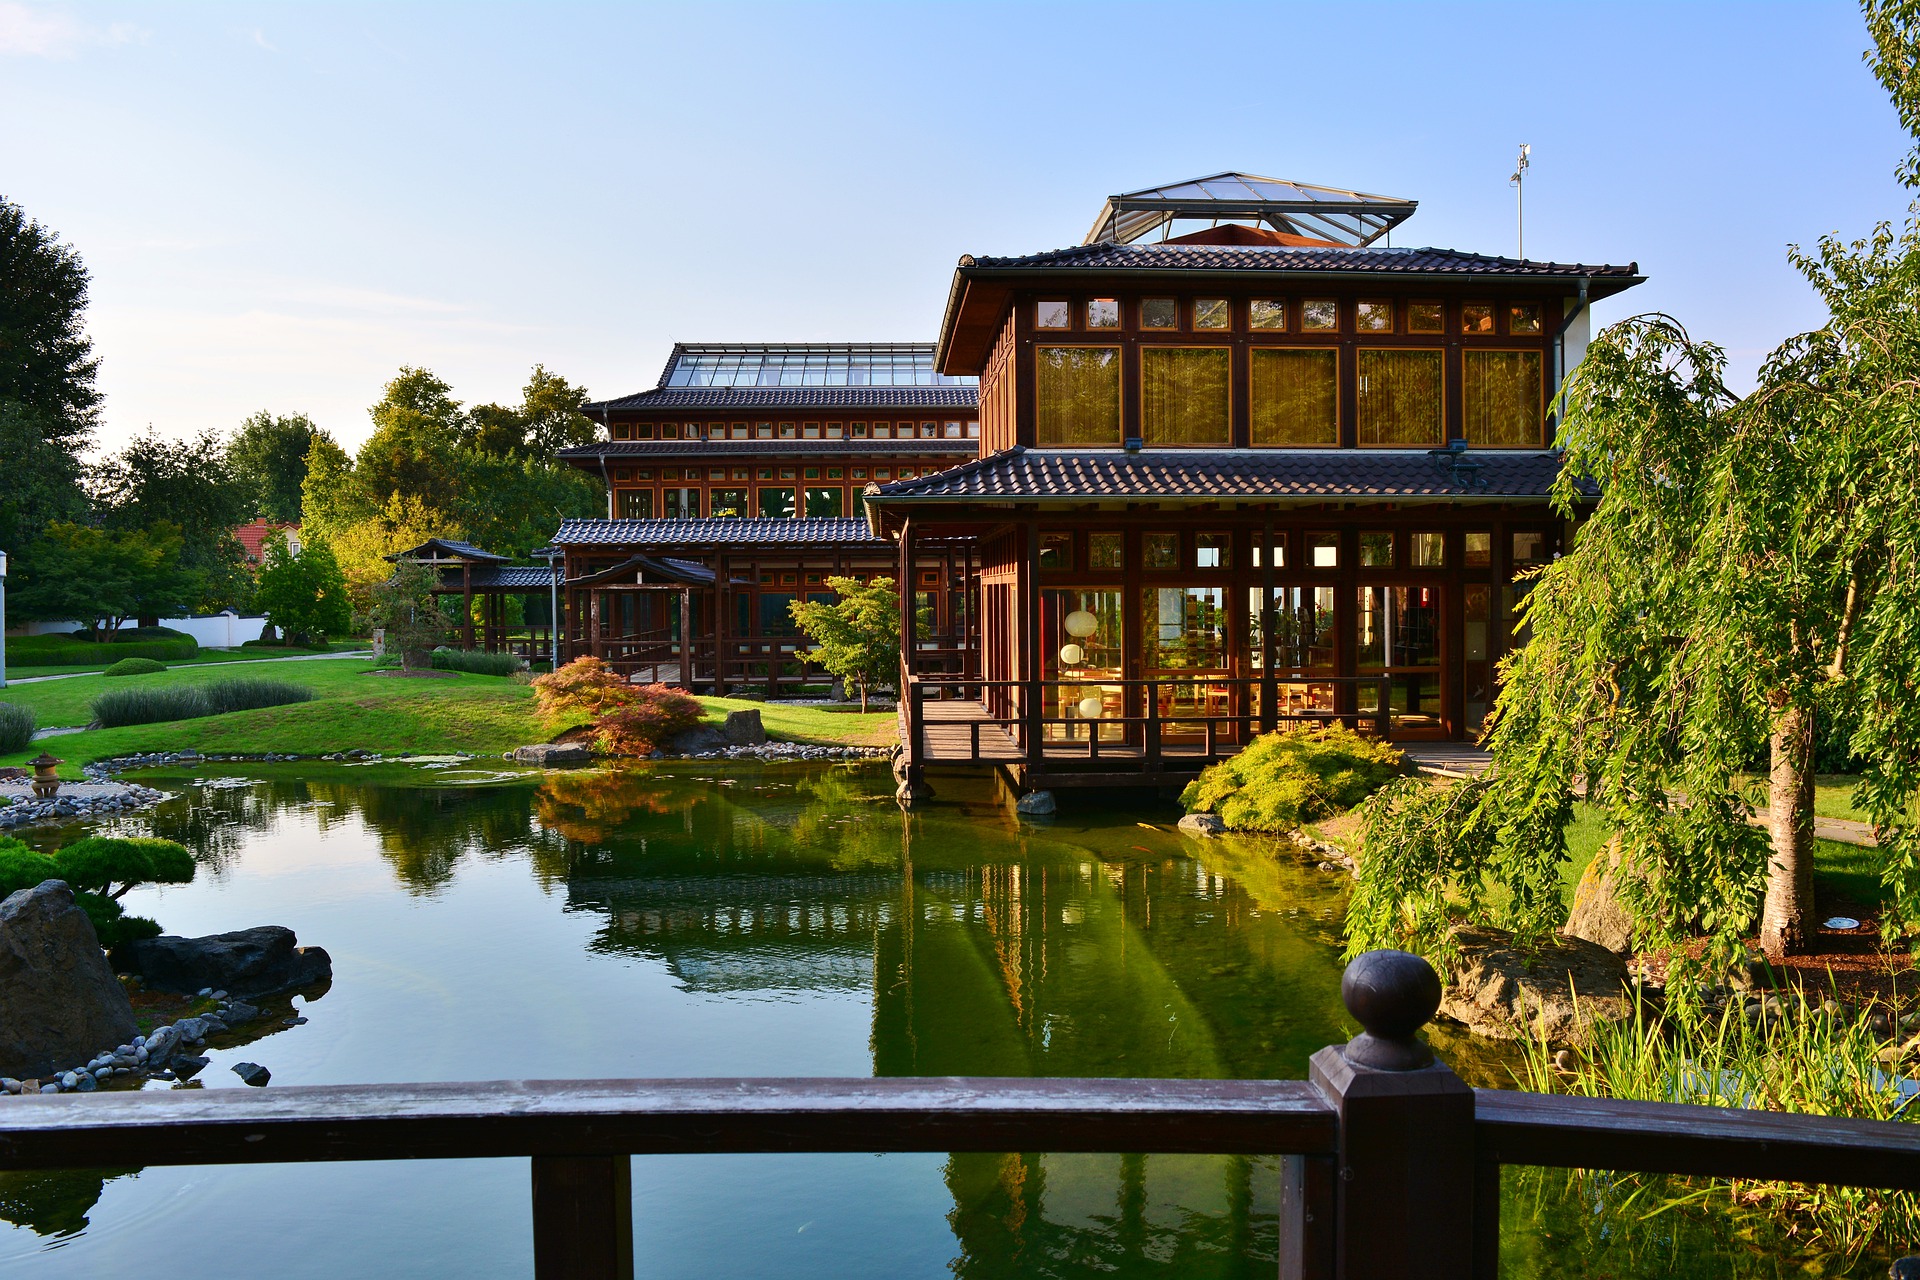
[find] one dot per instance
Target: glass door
(1399, 637)
(1303, 646)
(1082, 637)
(1183, 632)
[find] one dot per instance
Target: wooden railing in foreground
(1393, 1163)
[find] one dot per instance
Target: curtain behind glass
(1185, 395)
(1503, 398)
(1400, 398)
(1295, 397)
(1077, 395)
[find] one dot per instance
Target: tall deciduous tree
(268, 454)
(189, 485)
(47, 363)
(41, 481)
(303, 594)
(104, 577)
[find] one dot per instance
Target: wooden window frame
(1411, 303)
(1490, 333)
(1119, 350)
(1140, 391)
(1392, 328)
(1446, 388)
(1339, 317)
(1509, 348)
(1339, 391)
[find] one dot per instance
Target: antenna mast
(1520, 195)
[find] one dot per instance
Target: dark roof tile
(1373, 260)
(747, 399)
(799, 531)
(748, 448)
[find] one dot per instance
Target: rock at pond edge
(59, 1000)
(548, 754)
(1597, 915)
(1205, 825)
(1559, 992)
(262, 961)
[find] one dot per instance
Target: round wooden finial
(1392, 994)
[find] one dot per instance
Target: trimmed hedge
(158, 704)
(16, 727)
(476, 661)
(134, 667)
(157, 643)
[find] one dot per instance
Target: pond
(740, 920)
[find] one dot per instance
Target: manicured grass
(16, 671)
(457, 712)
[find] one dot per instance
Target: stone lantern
(46, 784)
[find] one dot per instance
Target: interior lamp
(1072, 655)
(1080, 624)
(1090, 707)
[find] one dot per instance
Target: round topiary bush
(134, 667)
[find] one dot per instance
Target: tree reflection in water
(54, 1202)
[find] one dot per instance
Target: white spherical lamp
(1080, 624)
(1072, 655)
(1090, 707)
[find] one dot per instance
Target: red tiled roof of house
(252, 536)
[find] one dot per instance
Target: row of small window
(1186, 396)
(795, 431)
(1379, 549)
(626, 475)
(774, 501)
(1305, 315)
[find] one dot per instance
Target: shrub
(1295, 775)
(16, 727)
(150, 704)
(157, 704)
(584, 689)
(476, 661)
(69, 651)
(100, 870)
(224, 696)
(134, 667)
(655, 714)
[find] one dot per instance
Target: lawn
(458, 712)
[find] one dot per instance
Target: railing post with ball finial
(1403, 1181)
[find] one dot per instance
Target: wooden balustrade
(1392, 1163)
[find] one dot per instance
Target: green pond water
(740, 920)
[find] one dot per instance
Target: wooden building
(1266, 469)
(733, 489)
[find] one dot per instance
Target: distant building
(252, 537)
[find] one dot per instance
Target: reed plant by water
(1796, 1054)
(16, 727)
(157, 704)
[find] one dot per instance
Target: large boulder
(1597, 914)
(59, 1001)
(702, 737)
(250, 962)
(1559, 992)
(743, 729)
(549, 754)
(1207, 826)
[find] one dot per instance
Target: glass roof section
(1291, 208)
(808, 364)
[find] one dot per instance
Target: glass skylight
(859, 364)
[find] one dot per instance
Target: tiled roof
(464, 550)
(801, 531)
(510, 577)
(1373, 260)
(745, 399)
(252, 537)
(1237, 475)
(768, 448)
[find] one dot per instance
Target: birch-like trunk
(1786, 921)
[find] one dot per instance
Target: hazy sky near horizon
(281, 204)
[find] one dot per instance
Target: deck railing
(1393, 1164)
(1142, 725)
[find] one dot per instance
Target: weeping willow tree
(1748, 567)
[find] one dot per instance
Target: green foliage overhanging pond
(732, 919)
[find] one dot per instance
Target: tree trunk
(1786, 921)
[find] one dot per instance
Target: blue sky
(282, 204)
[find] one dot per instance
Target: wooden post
(1031, 707)
(466, 601)
(583, 1217)
(686, 638)
(905, 584)
(1404, 1194)
(1269, 689)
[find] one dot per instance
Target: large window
(1083, 656)
(1502, 394)
(680, 503)
(728, 502)
(1294, 396)
(636, 504)
(776, 502)
(1186, 395)
(1303, 638)
(1400, 398)
(825, 502)
(1077, 390)
(1399, 638)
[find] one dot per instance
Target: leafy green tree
(417, 428)
(47, 364)
(268, 454)
(551, 408)
(104, 577)
(403, 606)
(100, 870)
(857, 635)
(189, 485)
(305, 595)
(42, 483)
(496, 430)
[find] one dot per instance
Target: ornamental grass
(16, 727)
(157, 704)
(476, 662)
(1796, 1056)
